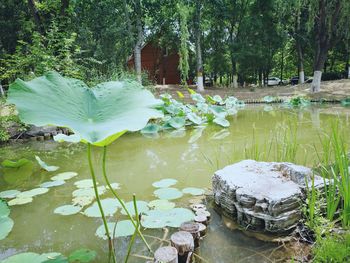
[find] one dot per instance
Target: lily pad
(4, 209)
(20, 201)
(142, 207)
(52, 183)
(86, 183)
(33, 192)
(168, 193)
(46, 167)
(64, 176)
(83, 255)
(56, 259)
(9, 194)
(193, 191)
(172, 218)
(110, 207)
(83, 200)
(161, 204)
(14, 164)
(6, 225)
(194, 118)
(67, 210)
(164, 183)
(114, 107)
(27, 257)
(122, 229)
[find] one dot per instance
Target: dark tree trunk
(300, 63)
(130, 34)
(64, 7)
(35, 13)
(199, 61)
(138, 45)
(325, 39)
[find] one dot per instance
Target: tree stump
(201, 219)
(202, 229)
(184, 243)
(40, 138)
(166, 255)
(193, 229)
(203, 212)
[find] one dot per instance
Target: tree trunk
(138, 45)
(199, 61)
(64, 7)
(2, 92)
(35, 13)
(130, 34)
(282, 65)
(300, 63)
(234, 74)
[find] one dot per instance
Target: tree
(184, 38)
(329, 18)
(198, 35)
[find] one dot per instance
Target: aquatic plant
(97, 116)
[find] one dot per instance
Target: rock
(263, 196)
(40, 131)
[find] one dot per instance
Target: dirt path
(331, 90)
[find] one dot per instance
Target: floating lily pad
(161, 204)
(82, 255)
(4, 209)
(49, 168)
(84, 192)
(168, 193)
(67, 210)
(9, 194)
(86, 183)
(193, 191)
(52, 183)
(64, 176)
(110, 207)
(164, 183)
(142, 207)
(27, 257)
(83, 200)
(6, 225)
(194, 118)
(172, 218)
(33, 192)
(56, 259)
(14, 164)
(122, 229)
(150, 129)
(20, 201)
(177, 122)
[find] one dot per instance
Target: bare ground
(330, 90)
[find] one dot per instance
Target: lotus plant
(97, 116)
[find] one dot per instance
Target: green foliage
(6, 122)
(184, 38)
(332, 248)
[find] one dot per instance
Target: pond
(135, 162)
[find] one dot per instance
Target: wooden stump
(202, 229)
(184, 243)
(40, 138)
(32, 138)
(166, 255)
(202, 212)
(201, 219)
(193, 229)
(47, 136)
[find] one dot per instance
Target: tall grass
(334, 168)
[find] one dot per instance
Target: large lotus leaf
(98, 115)
(150, 128)
(218, 111)
(168, 193)
(9, 194)
(161, 204)
(85, 183)
(14, 164)
(45, 166)
(177, 122)
(6, 225)
(57, 259)
(194, 118)
(4, 209)
(222, 122)
(82, 255)
(142, 207)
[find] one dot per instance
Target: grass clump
(332, 248)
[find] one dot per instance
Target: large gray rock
(263, 196)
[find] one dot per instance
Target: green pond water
(135, 162)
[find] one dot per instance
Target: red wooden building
(161, 64)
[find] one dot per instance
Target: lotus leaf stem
(119, 199)
(92, 172)
(131, 243)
